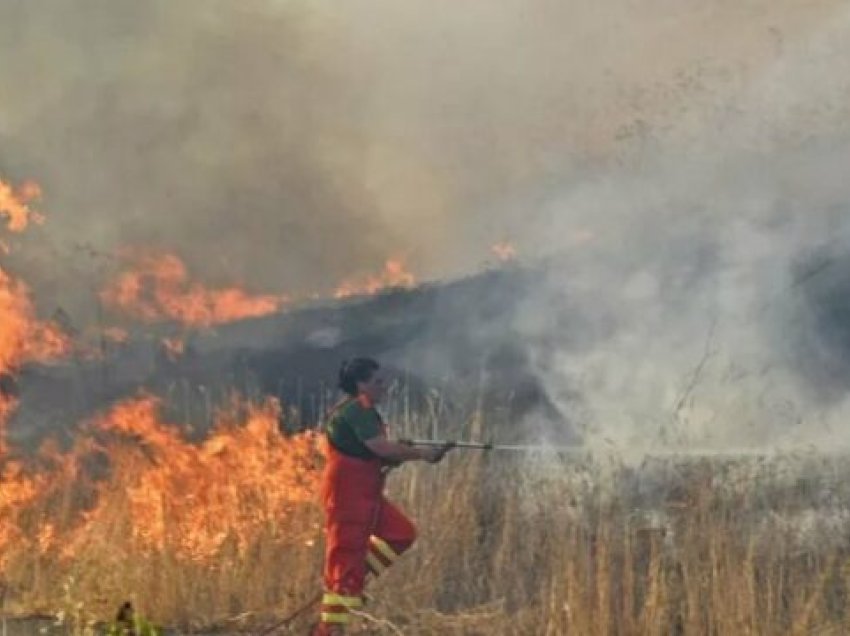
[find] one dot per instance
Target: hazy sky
(683, 157)
(284, 144)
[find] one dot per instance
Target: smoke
(718, 270)
(284, 144)
(677, 161)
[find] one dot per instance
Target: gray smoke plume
(719, 271)
(681, 163)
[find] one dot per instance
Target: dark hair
(356, 370)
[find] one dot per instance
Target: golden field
(226, 535)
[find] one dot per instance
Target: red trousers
(365, 533)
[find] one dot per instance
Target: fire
(159, 288)
(22, 337)
(18, 491)
(160, 493)
(504, 251)
(394, 274)
(14, 205)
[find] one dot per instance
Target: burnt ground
(451, 344)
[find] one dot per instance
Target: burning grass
(394, 275)
(157, 286)
(132, 507)
(22, 337)
(227, 533)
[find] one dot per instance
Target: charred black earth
(452, 343)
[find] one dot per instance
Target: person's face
(374, 388)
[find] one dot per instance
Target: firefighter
(365, 533)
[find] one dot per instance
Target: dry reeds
(509, 545)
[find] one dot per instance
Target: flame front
(22, 337)
(140, 487)
(158, 287)
(394, 275)
(131, 483)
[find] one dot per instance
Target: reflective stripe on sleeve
(383, 547)
(375, 563)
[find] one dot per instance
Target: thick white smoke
(699, 273)
(678, 162)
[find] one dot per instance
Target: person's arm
(368, 428)
(398, 452)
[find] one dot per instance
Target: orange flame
(14, 205)
(162, 493)
(18, 491)
(394, 274)
(159, 492)
(22, 337)
(158, 288)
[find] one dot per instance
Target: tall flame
(22, 337)
(156, 491)
(158, 287)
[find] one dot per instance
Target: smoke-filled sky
(681, 158)
(285, 144)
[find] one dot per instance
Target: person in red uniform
(365, 533)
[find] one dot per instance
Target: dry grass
(510, 545)
(554, 548)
